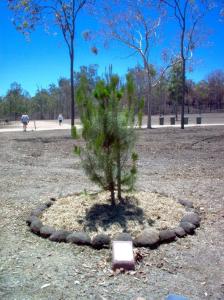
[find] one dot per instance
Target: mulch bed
(147, 219)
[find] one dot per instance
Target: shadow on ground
(105, 215)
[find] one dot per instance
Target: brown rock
(101, 241)
(30, 219)
(180, 232)
(123, 236)
(148, 238)
(188, 227)
(192, 218)
(167, 235)
(36, 212)
(186, 203)
(59, 236)
(79, 238)
(46, 231)
(35, 226)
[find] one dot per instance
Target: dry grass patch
(94, 214)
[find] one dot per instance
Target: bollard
(172, 121)
(161, 121)
(198, 120)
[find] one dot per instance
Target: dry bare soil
(35, 166)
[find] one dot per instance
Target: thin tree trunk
(119, 175)
(183, 91)
(188, 107)
(72, 88)
(149, 106)
(149, 124)
(176, 114)
(183, 71)
(10, 110)
(112, 196)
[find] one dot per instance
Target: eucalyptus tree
(60, 13)
(1, 107)
(41, 103)
(16, 101)
(135, 25)
(90, 72)
(215, 82)
(188, 15)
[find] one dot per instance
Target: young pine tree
(108, 132)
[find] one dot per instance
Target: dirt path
(209, 119)
(37, 165)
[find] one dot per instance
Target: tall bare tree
(62, 13)
(188, 15)
(134, 24)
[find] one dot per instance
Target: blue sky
(44, 59)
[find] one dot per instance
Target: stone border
(149, 237)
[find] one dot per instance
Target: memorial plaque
(122, 255)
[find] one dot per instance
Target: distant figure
(60, 119)
(25, 120)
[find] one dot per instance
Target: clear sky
(44, 59)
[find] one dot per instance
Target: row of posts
(173, 120)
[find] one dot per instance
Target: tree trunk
(119, 175)
(149, 106)
(10, 110)
(41, 112)
(176, 114)
(72, 87)
(183, 91)
(112, 195)
(183, 71)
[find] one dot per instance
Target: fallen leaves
(45, 285)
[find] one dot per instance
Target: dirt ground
(35, 166)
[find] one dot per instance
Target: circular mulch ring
(88, 219)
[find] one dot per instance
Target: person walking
(25, 120)
(60, 119)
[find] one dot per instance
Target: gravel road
(35, 166)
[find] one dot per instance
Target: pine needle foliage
(107, 117)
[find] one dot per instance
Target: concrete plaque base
(122, 255)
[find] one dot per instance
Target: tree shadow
(105, 215)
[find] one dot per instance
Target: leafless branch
(165, 70)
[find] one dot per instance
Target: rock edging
(149, 237)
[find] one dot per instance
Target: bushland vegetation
(204, 96)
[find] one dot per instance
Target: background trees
(216, 89)
(188, 15)
(63, 14)
(206, 95)
(135, 24)
(15, 102)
